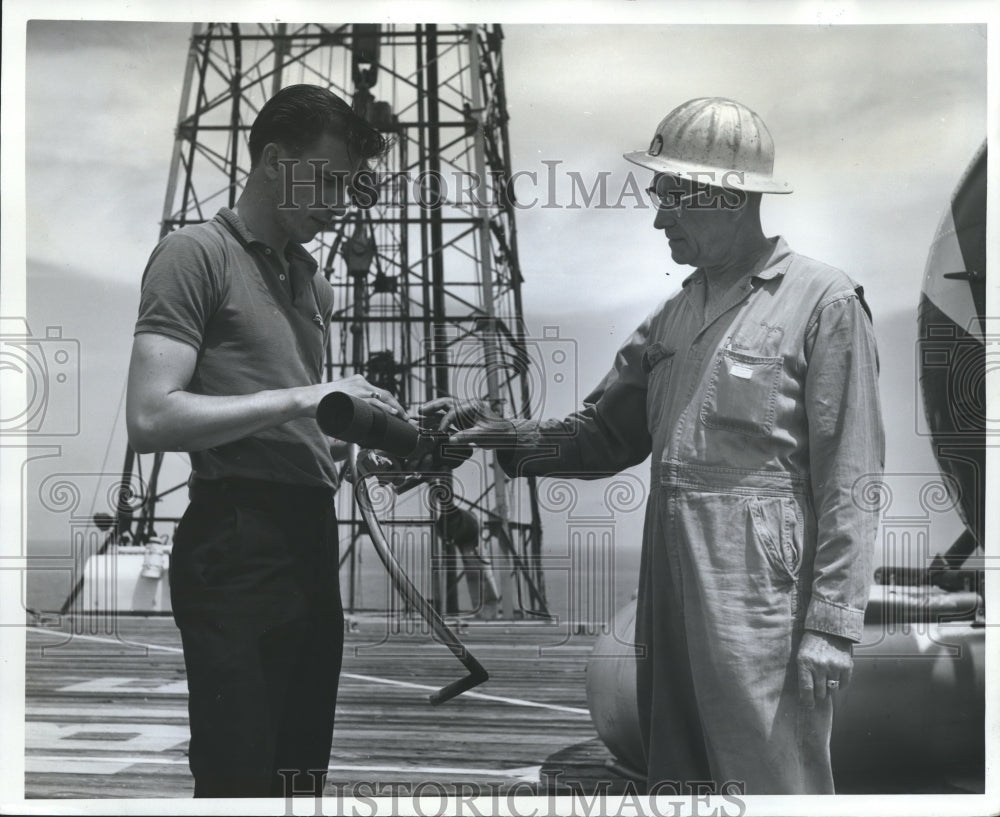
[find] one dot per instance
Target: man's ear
(269, 160)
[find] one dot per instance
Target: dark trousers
(256, 595)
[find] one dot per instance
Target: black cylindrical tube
(357, 421)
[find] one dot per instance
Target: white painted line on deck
(103, 640)
(107, 710)
(359, 649)
(117, 685)
(530, 773)
(482, 695)
(90, 766)
(112, 764)
(369, 678)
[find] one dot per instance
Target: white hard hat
(716, 141)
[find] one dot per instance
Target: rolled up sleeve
(846, 453)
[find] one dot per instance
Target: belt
(727, 480)
(260, 490)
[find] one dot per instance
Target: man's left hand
(470, 422)
(825, 665)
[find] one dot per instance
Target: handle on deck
(473, 679)
(410, 593)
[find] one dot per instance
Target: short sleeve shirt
(255, 327)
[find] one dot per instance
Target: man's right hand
(356, 386)
(162, 415)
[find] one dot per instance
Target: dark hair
(298, 115)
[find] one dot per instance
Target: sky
(873, 126)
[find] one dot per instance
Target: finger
(373, 460)
(828, 686)
(436, 406)
(491, 434)
(468, 414)
(449, 420)
(470, 436)
(385, 401)
(822, 686)
(846, 674)
(460, 416)
(806, 692)
(397, 407)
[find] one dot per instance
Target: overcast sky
(873, 126)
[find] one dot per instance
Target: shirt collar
(776, 264)
(235, 225)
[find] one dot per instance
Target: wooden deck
(107, 712)
(106, 717)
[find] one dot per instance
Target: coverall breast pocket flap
(657, 357)
(742, 393)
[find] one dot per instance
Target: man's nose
(664, 218)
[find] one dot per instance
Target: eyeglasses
(673, 200)
(708, 198)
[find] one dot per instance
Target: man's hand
(470, 422)
(356, 386)
(162, 415)
(825, 665)
(450, 414)
(388, 470)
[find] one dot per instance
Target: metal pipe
(412, 596)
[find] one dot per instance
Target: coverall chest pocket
(742, 393)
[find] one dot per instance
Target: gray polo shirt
(217, 288)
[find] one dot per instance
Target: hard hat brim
(737, 180)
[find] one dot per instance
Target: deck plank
(106, 716)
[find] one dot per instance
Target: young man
(755, 389)
(227, 365)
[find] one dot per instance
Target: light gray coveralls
(765, 429)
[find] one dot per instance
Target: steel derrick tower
(426, 281)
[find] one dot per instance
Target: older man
(755, 390)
